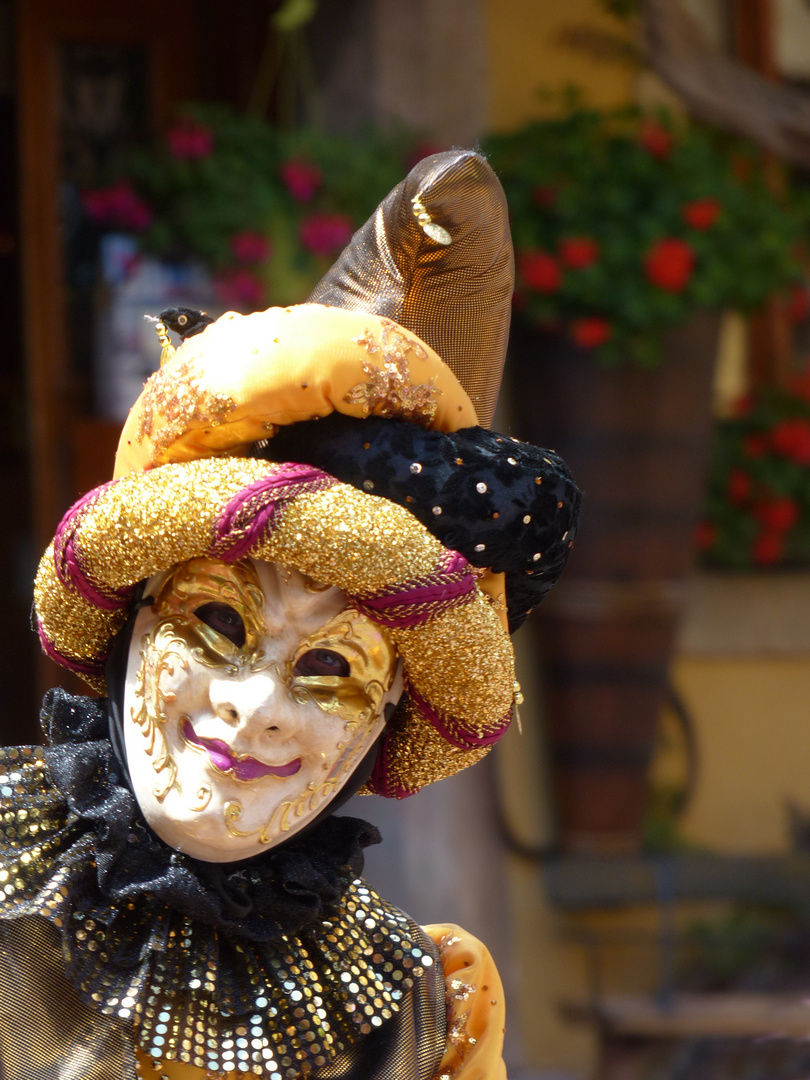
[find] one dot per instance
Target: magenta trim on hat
(456, 733)
(451, 584)
(378, 781)
(81, 667)
(249, 516)
(68, 563)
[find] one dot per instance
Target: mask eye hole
(225, 620)
(321, 662)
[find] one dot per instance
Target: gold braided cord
(460, 662)
(417, 754)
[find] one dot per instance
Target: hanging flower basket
(264, 211)
(757, 512)
(625, 224)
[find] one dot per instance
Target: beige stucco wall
(752, 721)
(529, 50)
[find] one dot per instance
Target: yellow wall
(529, 49)
(752, 720)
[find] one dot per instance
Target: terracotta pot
(637, 444)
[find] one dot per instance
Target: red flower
(592, 332)
(800, 386)
(705, 535)
(325, 234)
(539, 271)
(791, 438)
(250, 246)
(778, 514)
(421, 151)
(301, 178)
(798, 303)
(739, 486)
(578, 252)
(655, 139)
(755, 446)
(544, 196)
(767, 548)
(743, 405)
(701, 213)
(190, 140)
(669, 264)
(239, 289)
(118, 207)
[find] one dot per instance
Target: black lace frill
(194, 953)
(279, 893)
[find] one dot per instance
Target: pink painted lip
(243, 768)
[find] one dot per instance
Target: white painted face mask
(251, 696)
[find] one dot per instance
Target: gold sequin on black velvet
(191, 993)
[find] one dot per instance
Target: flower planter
(637, 443)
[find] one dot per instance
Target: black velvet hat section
(502, 503)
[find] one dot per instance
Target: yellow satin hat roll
(244, 375)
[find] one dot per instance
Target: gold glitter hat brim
(245, 375)
(457, 657)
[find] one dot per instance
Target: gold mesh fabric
(46, 1033)
(456, 297)
(409, 1046)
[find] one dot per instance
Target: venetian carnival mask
(252, 693)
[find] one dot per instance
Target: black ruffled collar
(263, 898)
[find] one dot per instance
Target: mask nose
(253, 706)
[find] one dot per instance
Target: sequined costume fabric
(288, 967)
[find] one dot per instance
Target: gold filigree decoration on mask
(201, 581)
(372, 658)
(356, 698)
(162, 652)
(203, 797)
(389, 390)
(310, 800)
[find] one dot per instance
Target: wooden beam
(770, 336)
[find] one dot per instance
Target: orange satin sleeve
(475, 1007)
